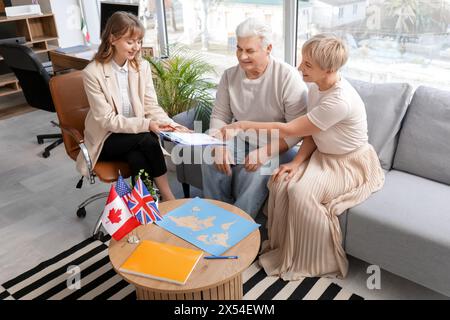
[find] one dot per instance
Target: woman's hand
(173, 127)
(155, 127)
(290, 168)
(180, 128)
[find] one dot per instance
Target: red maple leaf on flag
(114, 215)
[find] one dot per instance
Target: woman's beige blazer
(105, 114)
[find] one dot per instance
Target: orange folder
(162, 261)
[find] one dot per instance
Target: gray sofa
(405, 227)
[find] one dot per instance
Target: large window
(390, 40)
(208, 26)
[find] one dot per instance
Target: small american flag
(142, 204)
(123, 189)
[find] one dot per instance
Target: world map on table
(207, 226)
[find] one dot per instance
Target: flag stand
(133, 239)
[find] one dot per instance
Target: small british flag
(142, 204)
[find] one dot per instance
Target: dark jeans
(139, 150)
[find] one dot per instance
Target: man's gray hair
(252, 27)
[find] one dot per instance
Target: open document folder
(191, 139)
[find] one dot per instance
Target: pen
(221, 257)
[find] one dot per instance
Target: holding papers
(191, 139)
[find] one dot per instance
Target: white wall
(68, 22)
(92, 15)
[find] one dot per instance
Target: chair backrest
(32, 76)
(71, 106)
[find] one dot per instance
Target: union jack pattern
(142, 205)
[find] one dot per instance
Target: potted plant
(149, 184)
(181, 83)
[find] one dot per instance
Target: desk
(78, 61)
(210, 280)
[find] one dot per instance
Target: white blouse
(121, 74)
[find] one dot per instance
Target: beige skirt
(305, 238)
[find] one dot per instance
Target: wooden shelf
(41, 50)
(25, 17)
(39, 31)
(6, 91)
(7, 78)
(8, 84)
(41, 39)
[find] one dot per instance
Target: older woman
(259, 88)
(335, 169)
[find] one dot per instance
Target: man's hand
(255, 159)
(231, 130)
(222, 160)
(290, 168)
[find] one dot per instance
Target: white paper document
(191, 139)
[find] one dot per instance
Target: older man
(259, 88)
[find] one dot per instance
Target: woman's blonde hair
(119, 24)
(328, 51)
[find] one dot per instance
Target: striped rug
(48, 280)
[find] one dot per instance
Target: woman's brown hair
(119, 24)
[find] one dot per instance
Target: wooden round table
(210, 280)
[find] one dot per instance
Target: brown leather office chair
(72, 106)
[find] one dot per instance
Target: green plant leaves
(181, 83)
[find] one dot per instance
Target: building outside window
(208, 26)
(389, 40)
(341, 13)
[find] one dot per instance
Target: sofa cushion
(405, 229)
(423, 147)
(386, 105)
(185, 118)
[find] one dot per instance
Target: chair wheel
(46, 154)
(98, 236)
(81, 212)
(40, 141)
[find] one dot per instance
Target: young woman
(124, 114)
(336, 168)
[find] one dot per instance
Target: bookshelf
(40, 35)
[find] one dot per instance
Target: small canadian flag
(116, 218)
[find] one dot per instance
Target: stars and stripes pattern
(142, 204)
(123, 189)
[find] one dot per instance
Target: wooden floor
(38, 200)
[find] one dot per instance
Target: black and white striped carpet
(48, 280)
